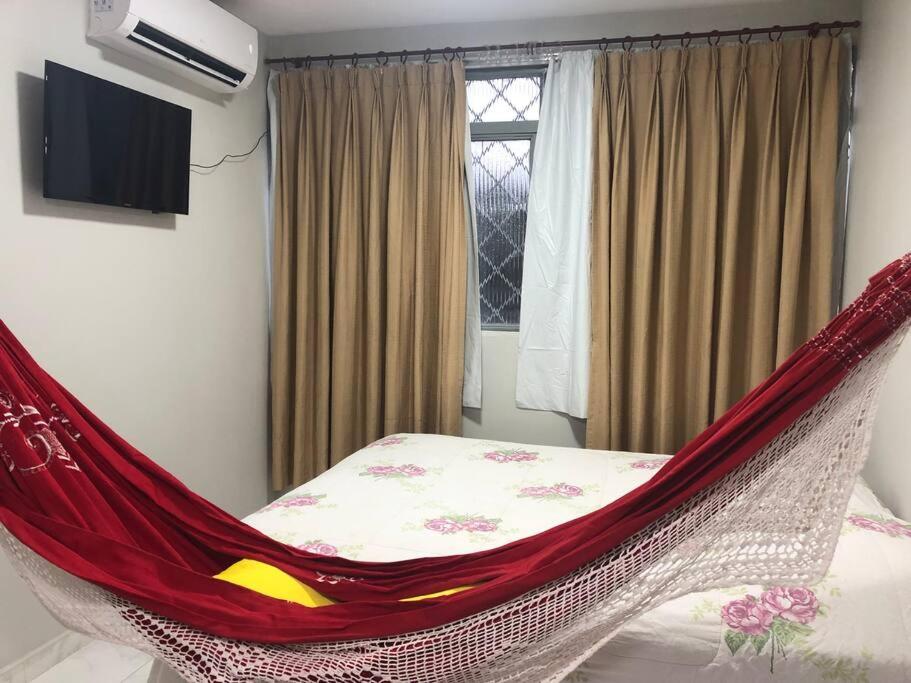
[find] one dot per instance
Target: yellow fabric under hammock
(273, 582)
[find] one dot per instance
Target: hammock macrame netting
(118, 549)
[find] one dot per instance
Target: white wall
(564, 28)
(879, 218)
(156, 322)
(499, 417)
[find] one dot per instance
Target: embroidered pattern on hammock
(37, 434)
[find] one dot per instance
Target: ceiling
(285, 17)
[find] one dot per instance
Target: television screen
(107, 144)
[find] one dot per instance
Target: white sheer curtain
(471, 382)
(555, 319)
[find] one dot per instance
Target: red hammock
(79, 496)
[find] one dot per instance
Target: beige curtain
(369, 261)
(713, 224)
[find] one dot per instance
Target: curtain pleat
(713, 226)
(369, 261)
(672, 275)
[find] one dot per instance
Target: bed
(413, 495)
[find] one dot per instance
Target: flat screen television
(107, 144)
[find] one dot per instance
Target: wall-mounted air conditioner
(194, 38)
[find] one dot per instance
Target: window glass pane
(504, 99)
(501, 172)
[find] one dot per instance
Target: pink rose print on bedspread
(557, 491)
(794, 604)
(381, 470)
(747, 615)
(896, 528)
(775, 620)
(394, 440)
(511, 455)
(648, 464)
(479, 524)
(319, 548)
(305, 500)
(442, 525)
(567, 490)
(535, 492)
(452, 524)
(882, 525)
(412, 470)
(392, 471)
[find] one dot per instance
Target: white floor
(100, 662)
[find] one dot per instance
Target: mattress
(412, 495)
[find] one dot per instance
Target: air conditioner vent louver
(167, 46)
(196, 39)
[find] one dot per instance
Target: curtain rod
(450, 53)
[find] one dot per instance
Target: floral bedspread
(419, 495)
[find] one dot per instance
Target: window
(503, 109)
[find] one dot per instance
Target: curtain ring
(602, 45)
(404, 56)
(628, 43)
(775, 38)
(382, 55)
(297, 63)
(686, 39)
(461, 53)
(330, 61)
(354, 59)
(308, 62)
(744, 33)
(838, 31)
(428, 53)
(813, 30)
(652, 42)
(448, 54)
(716, 35)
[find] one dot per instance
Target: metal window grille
(503, 108)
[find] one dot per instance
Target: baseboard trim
(43, 658)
